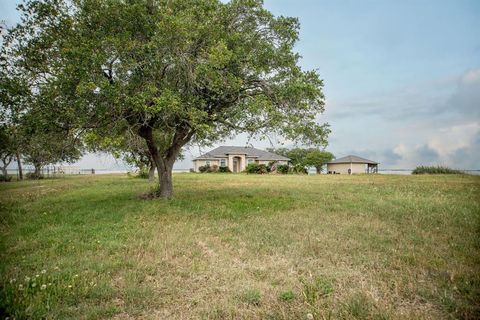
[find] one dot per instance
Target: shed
(352, 164)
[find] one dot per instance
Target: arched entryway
(237, 164)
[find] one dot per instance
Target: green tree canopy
(317, 158)
(296, 155)
(44, 142)
(305, 157)
(173, 72)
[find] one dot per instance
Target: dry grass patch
(245, 247)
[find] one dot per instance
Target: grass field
(242, 247)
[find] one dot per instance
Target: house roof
(352, 159)
(258, 154)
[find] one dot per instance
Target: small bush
(252, 168)
(213, 168)
(34, 176)
(5, 178)
(263, 169)
(435, 170)
(204, 168)
(142, 174)
(283, 168)
(224, 169)
(286, 296)
(209, 169)
(298, 168)
(257, 168)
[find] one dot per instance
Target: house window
(250, 161)
(207, 162)
(222, 163)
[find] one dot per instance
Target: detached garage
(352, 164)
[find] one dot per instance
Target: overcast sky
(402, 78)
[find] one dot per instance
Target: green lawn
(242, 247)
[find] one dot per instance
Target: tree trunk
(151, 172)
(164, 167)
(164, 162)
(165, 179)
(19, 164)
(319, 169)
(6, 161)
(38, 170)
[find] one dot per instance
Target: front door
(235, 165)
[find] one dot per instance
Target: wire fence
(62, 171)
(58, 171)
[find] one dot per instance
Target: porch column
(230, 162)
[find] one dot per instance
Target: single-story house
(237, 158)
(352, 164)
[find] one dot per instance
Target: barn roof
(224, 151)
(353, 159)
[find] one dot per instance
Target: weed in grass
(316, 289)
(360, 307)
(31, 296)
(251, 297)
(216, 313)
(287, 296)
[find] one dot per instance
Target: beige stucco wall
(343, 167)
(229, 162)
(198, 163)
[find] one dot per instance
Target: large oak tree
(172, 71)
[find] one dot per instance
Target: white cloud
(443, 146)
(448, 140)
(471, 77)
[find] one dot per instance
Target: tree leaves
(175, 72)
